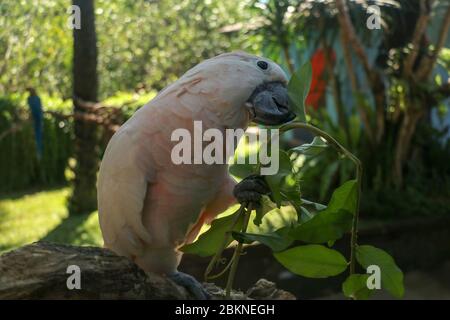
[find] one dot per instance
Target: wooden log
(40, 271)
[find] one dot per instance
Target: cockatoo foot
(191, 284)
(251, 189)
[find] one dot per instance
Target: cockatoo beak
(269, 104)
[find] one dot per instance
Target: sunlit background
(389, 109)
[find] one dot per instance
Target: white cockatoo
(149, 206)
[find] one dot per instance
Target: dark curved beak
(269, 104)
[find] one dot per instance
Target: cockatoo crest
(226, 82)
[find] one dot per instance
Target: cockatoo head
(247, 83)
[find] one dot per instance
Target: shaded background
(383, 93)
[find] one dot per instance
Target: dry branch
(39, 271)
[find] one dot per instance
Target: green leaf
(325, 226)
(242, 170)
(391, 275)
(298, 88)
(312, 261)
(305, 214)
(266, 206)
(330, 223)
(355, 287)
(285, 165)
(327, 178)
(314, 205)
(311, 149)
(209, 242)
(277, 240)
(275, 181)
(273, 220)
(244, 152)
(344, 197)
(309, 209)
(290, 191)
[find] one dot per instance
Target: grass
(26, 218)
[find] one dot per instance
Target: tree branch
(421, 25)
(345, 34)
(428, 62)
(350, 35)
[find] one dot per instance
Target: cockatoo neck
(227, 115)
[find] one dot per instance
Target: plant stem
(226, 238)
(237, 253)
(335, 144)
(354, 232)
(221, 273)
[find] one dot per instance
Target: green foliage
(244, 151)
(311, 149)
(276, 181)
(324, 164)
(316, 224)
(129, 102)
(153, 42)
(298, 89)
(391, 275)
(277, 241)
(325, 226)
(355, 287)
(344, 197)
(427, 184)
(18, 148)
(332, 222)
(209, 242)
(312, 261)
(142, 44)
(280, 30)
(266, 206)
(274, 220)
(35, 46)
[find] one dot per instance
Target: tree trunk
(379, 93)
(85, 86)
(40, 271)
(404, 138)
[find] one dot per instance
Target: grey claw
(191, 284)
(251, 189)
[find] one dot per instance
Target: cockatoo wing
(122, 188)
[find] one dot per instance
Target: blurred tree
(279, 26)
(383, 76)
(35, 46)
(85, 87)
(157, 41)
(409, 66)
(143, 43)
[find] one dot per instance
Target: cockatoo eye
(262, 64)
